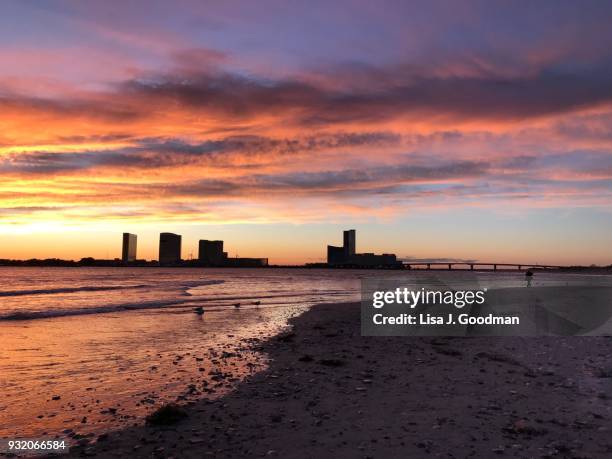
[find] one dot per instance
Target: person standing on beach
(529, 277)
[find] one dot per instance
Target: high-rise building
(345, 256)
(349, 243)
(335, 255)
(169, 248)
(129, 247)
(211, 252)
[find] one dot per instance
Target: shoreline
(598, 270)
(329, 392)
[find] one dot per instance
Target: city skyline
(272, 127)
(172, 252)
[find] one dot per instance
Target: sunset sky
(462, 130)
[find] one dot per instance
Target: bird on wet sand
(236, 305)
(199, 310)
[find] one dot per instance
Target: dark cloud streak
(154, 153)
(478, 97)
(305, 103)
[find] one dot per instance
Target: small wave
(200, 283)
(32, 315)
(288, 295)
(186, 286)
(101, 288)
(51, 291)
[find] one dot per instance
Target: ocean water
(85, 350)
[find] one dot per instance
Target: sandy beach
(329, 392)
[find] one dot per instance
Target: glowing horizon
(482, 134)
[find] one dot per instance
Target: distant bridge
(468, 266)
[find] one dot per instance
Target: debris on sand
(166, 415)
(522, 427)
(286, 337)
(332, 362)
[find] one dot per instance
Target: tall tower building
(129, 247)
(210, 252)
(169, 248)
(349, 243)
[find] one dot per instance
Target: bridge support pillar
(450, 266)
(494, 267)
(471, 267)
(428, 266)
(520, 268)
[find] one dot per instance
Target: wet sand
(329, 392)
